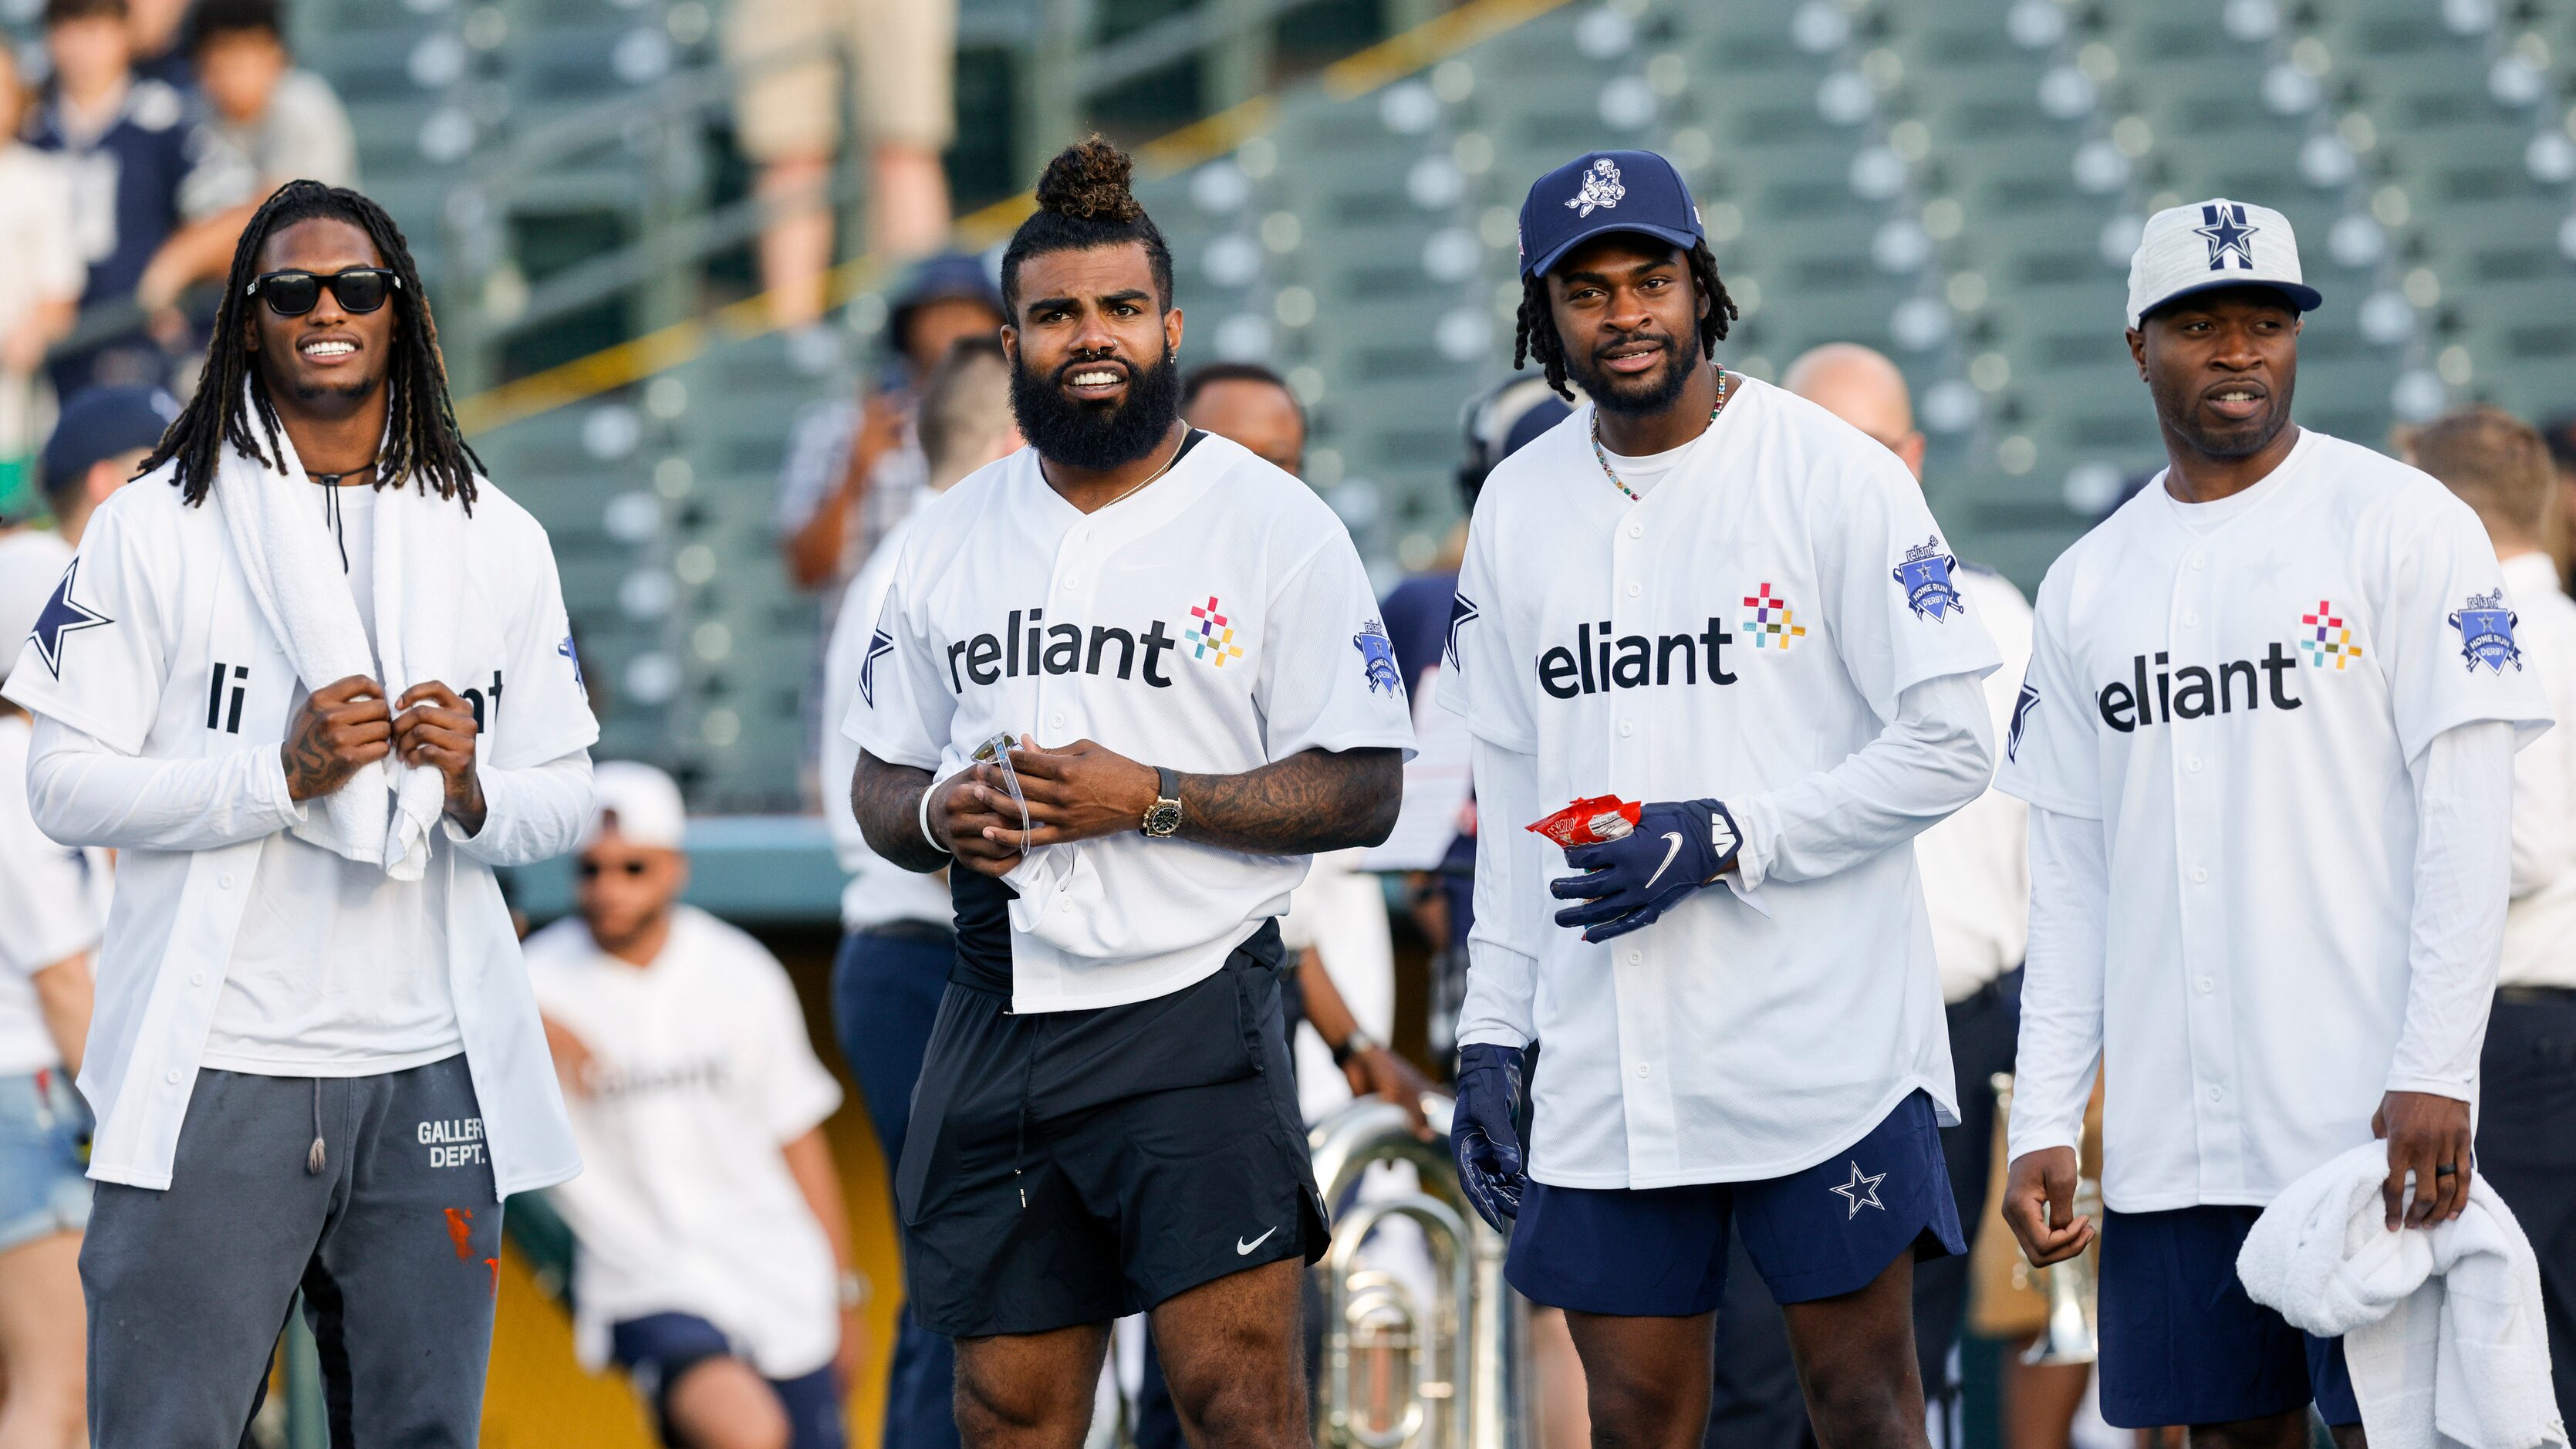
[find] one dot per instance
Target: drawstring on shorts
(313, 1159)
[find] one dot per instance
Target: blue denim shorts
(44, 1148)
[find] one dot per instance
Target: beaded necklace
(1603, 456)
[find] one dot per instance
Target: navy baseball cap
(101, 423)
(945, 277)
(1601, 192)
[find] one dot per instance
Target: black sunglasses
(590, 869)
(293, 293)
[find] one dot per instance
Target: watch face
(1163, 819)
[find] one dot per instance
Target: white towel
(2441, 1326)
(384, 814)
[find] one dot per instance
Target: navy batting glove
(1481, 1133)
(1677, 847)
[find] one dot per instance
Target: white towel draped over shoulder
(2441, 1326)
(385, 812)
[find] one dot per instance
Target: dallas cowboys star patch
(63, 616)
(1462, 612)
(2228, 234)
(1860, 1192)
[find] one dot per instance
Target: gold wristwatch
(1163, 817)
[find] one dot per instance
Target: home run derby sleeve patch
(63, 616)
(1924, 575)
(567, 650)
(1377, 658)
(2485, 625)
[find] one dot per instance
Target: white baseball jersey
(1976, 864)
(879, 891)
(1774, 625)
(2245, 695)
(163, 698)
(53, 904)
(1213, 622)
(2540, 924)
(701, 1072)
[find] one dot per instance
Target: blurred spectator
(901, 59)
(1975, 867)
(99, 441)
(129, 146)
(2561, 541)
(40, 283)
(158, 29)
(1336, 921)
(268, 123)
(899, 940)
(52, 910)
(708, 1214)
(854, 468)
(2526, 1131)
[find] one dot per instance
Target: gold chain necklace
(1603, 456)
(1177, 449)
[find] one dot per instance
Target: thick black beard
(1079, 435)
(1612, 393)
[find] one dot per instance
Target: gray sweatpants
(396, 1243)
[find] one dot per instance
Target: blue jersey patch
(567, 651)
(1924, 575)
(879, 646)
(1377, 658)
(2486, 633)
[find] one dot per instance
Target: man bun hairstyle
(1537, 338)
(1084, 202)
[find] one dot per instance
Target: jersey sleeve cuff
(2022, 1139)
(2023, 789)
(2456, 1090)
(1494, 1034)
(894, 753)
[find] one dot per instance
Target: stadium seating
(1957, 182)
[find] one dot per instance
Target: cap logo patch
(1601, 188)
(2229, 234)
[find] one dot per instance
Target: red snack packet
(1589, 821)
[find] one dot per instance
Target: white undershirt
(339, 969)
(1642, 474)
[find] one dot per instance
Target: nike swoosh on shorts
(1243, 1249)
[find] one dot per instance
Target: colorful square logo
(2326, 639)
(1211, 638)
(1768, 621)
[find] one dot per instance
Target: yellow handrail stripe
(638, 358)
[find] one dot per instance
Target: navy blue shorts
(2182, 1344)
(1820, 1233)
(659, 1347)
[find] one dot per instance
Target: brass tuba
(1398, 1373)
(2071, 1288)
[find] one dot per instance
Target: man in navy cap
(98, 442)
(1727, 611)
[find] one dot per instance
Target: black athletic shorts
(1076, 1166)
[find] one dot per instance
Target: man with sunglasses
(310, 675)
(709, 1217)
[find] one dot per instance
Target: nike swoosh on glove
(1677, 847)
(1481, 1134)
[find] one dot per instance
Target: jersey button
(2213, 1092)
(1636, 956)
(2200, 875)
(1058, 722)
(224, 881)
(2193, 765)
(196, 978)
(2198, 561)
(2191, 619)
(1644, 1071)
(1636, 530)
(1072, 584)
(1635, 589)
(1626, 729)
(171, 1077)
(2206, 985)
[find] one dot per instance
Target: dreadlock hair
(1084, 202)
(423, 445)
(1537, 336)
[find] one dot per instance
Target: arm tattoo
(1312, 801)
(307, 757)
(887, 800)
